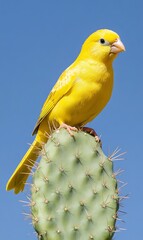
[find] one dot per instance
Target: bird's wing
(63, 85)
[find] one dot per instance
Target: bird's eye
(103, 42)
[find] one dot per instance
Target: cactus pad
(74, 192)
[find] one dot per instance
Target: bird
(79, 95)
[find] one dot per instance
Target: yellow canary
(79, 95)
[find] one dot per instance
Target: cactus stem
(77, 193)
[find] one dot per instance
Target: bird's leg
(92, 132)
(68, 128)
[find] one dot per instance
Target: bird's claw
(69, 129)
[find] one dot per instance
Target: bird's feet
(88, 130)
(68, 128)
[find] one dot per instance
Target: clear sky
(38, 40)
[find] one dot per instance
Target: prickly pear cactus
(74, 192)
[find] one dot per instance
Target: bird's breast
(85, 100)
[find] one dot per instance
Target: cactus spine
(74, 191)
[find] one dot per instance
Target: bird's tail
(21, 173)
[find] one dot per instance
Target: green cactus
(74, 191)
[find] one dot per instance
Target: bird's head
(103, 45)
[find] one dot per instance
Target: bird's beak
(117, 46)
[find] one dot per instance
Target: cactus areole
(74, 192)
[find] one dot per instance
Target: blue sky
(38, 40)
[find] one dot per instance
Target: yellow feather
(79, 95)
